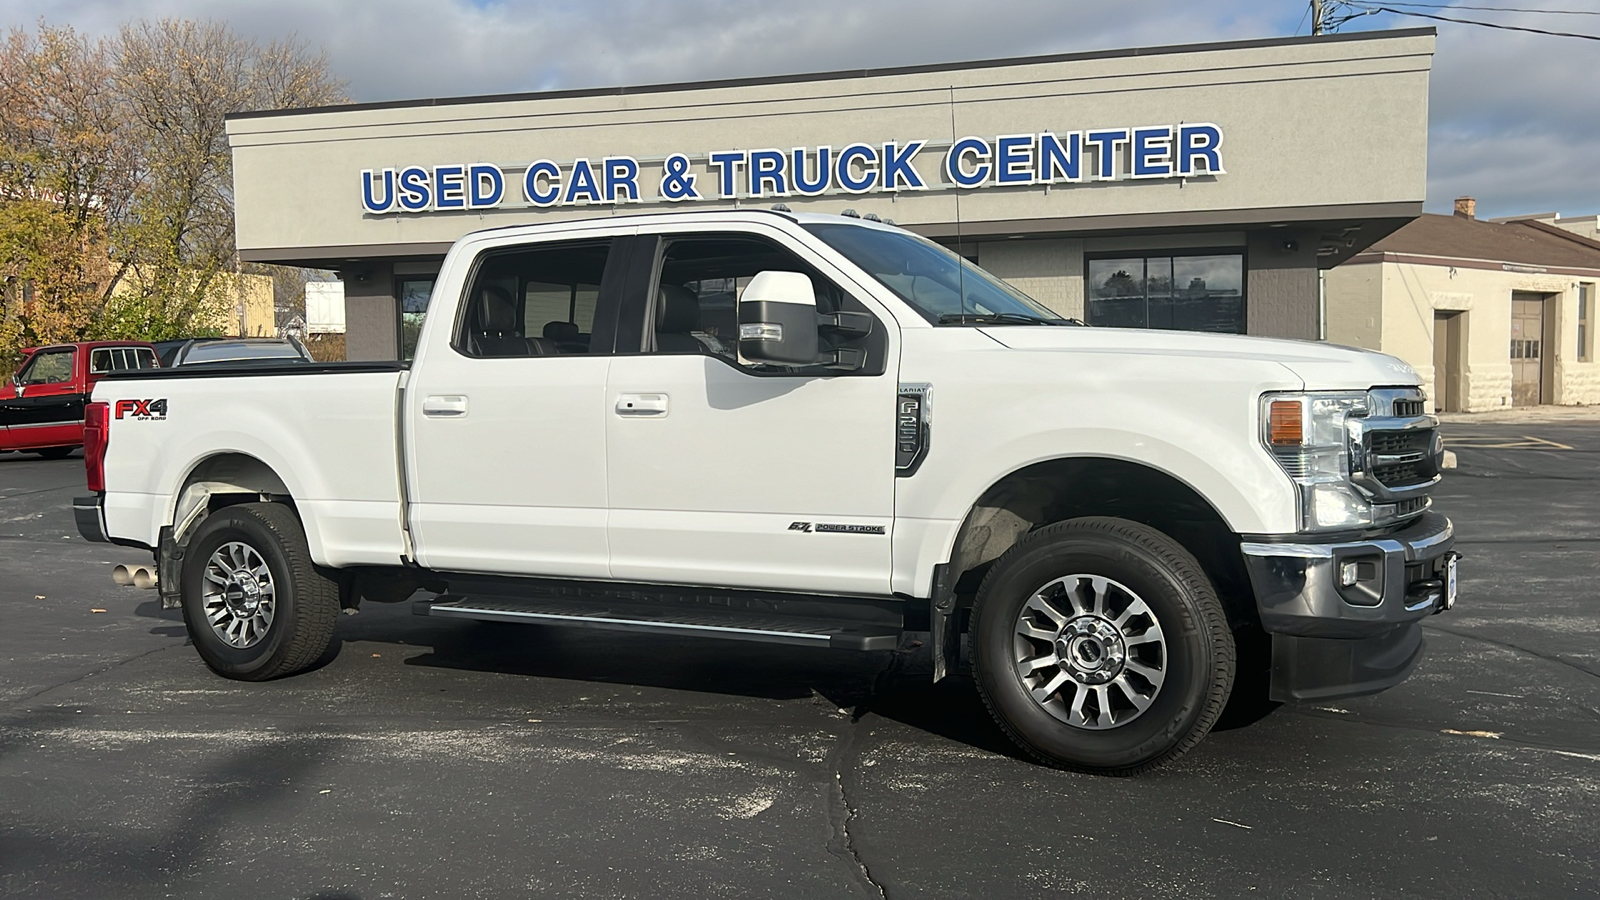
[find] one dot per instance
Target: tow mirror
(778, 320)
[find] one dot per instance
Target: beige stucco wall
(1390, 306)
(1295, 145)
(1050, 271)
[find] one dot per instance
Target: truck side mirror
(778, 320)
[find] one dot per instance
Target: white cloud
(1515, 119)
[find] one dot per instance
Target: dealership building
(1201, 187)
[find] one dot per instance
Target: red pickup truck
(41, 407)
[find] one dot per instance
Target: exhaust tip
(144, 578)
(122, 575)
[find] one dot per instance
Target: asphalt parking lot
(449, 759)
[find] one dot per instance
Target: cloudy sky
(1515, 116)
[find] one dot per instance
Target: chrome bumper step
(668, 618)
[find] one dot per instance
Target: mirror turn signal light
(1285, 424)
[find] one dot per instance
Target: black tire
(1196, 648)
(306, 603)
(55, 452)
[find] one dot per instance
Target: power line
(1553, 12)
(1400, 12)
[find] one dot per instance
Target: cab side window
(694, 307)
(121, 359)
(534, 301)
(48, 367)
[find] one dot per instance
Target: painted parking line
(1486, 442)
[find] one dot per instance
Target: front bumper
(1331, 639)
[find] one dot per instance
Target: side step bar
(670, 618)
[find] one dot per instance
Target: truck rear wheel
(1100, 645)
(255, 606)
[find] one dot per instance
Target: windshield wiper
(1001, 319)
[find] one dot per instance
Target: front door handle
(444, 406)
(641, 405)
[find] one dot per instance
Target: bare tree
(180, 80)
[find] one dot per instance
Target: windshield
(945, 288)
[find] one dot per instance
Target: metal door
(1527, 350)
(1447, 361)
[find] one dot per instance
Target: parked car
(816, 431)
(192, 351)
(41, 407)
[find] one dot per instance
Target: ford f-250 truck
(812, 430)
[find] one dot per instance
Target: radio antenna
(961, 247)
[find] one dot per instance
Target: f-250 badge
(152, 410)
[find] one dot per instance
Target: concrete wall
(1410, 293)
(371, 313)
(1281, 283)
(1050, 271)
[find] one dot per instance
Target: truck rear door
(505, 435)
(720, 473)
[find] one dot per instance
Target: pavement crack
(87, 675)
(841, 813)
(1547, 657)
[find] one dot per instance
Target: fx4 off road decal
(151, 410)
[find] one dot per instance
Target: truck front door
(505, 434)
(45, 408)
(725, 473)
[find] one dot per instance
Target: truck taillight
(96, 434)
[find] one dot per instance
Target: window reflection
(1181, 293)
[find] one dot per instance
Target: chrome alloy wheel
(240, 598)
(1090, 651)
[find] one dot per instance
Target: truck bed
(328, 431)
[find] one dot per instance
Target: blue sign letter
(485, 186)
(1201, 140)
(953, 162)
(374, 204)
(727, 164)
(582, 184)
(676, 182)
(622, 174)
(898, 169)
(797, 171)
(449, 187)
(551, 174)
(1152, 152)
(1011, 159)
(1107, 141)
(414, 188)
(766, 168)
(1057, 161)
(869, 168)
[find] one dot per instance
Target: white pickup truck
(814, 430)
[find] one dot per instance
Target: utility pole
(1317, 20)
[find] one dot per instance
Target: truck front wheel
(1100, 645)
(255, 606)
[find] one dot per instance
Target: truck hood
(1322, 367)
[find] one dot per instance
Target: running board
(667, 618)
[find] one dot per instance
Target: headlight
(1310, 436)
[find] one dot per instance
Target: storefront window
(1190, 292)
(414, 294)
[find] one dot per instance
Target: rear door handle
(641, 405)
(444, 406)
